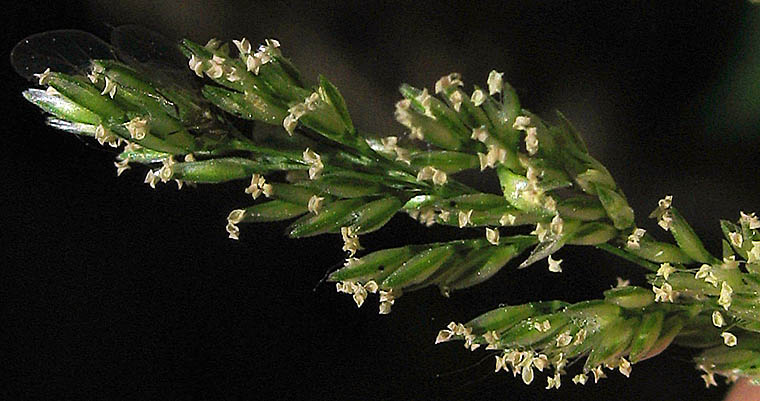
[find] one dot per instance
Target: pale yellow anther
(387, 299)
(235, 217)
(109, 88)
(564, 339)
(456, 99)
(527, 374)
(495, 154)
(752, 221)
(542, 326)
(289, 123)
(138, 128)
(425, 100)
(521, 123)
(709, 379)
(557, 225)
(196, 65)
(447, 81)
(464, 218)
(132, 147)
(634, 240)
(212, 44)
(121, 166)
(444, 215)
(416, 133)
(598, 373)
(312, 101)
(666, 220)
(51, 91)
(507, 219)
(152, 179)
(665, 270)
(360, 294)
(546, 325)
(736, 239)
(371, 286)
(553, 382)
(717, 319)
(664, 293)
(484, 162)
(350, 240)
(550, 204)
(531, 140)
(215, 69)
(315, 204)
(705, 273)
(728, 339)
(665, 202)
(491, 338)
(104, 135)
(426, 216)
(554, 266)
(492, 235)
(234, 75)
(443, 336)
(43, 77)
(754, 253)
(478, 97)
(259, 186)
(540, 362)
(541, 231)
(426, 173)
(166, 172)
(480, 134)
(730, 262)
(495, 82)
(725, 295)
(439, 177)
(580, 379)
(315, 163)
(390, 143)
(624, 366)
(533, 175)
(243, 46)
(501, 363)
(403, 155)
(253, 63)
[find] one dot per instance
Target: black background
(111, 290)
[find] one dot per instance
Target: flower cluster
(318, 170)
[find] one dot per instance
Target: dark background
(111, 290)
